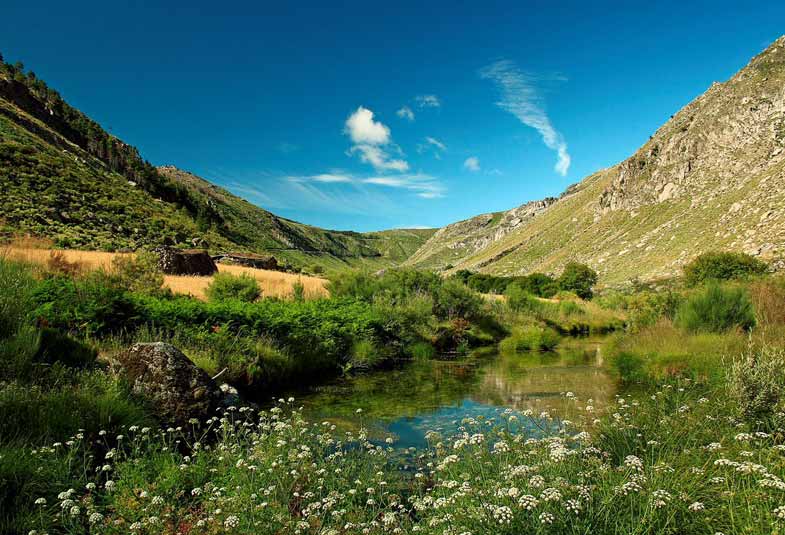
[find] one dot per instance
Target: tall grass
(716, 309)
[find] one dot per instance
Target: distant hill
(64, 177)
(712, 177)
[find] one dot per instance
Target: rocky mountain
(64, 177)
(712, 177)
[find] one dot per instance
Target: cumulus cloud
(364, 130)
(428, 101)
(372, 140)
(405, 113)
(472, 163)
(521, 98)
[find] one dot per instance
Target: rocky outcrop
(466, 237)
(174, 261)
(174, 386)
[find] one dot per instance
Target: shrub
(298, 291)
(454, 300)
(520, 300)
(630, 367)
(530, 338)
(716, 309)
(578, 278)
(56, 346)
(139, 273)
(225, 286)
(757, 382)
(92, 306)
(57, 263)
(722, 266)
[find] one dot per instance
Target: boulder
(174, 261)
(175, 386)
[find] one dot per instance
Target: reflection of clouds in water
(437, 395)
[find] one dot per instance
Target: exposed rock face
(466, 237)
(249, 260)
(711, 178)
(177, 389)
(185, 261)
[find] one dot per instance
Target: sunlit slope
(712, 177)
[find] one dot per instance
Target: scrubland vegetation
(692, 444)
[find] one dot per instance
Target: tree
(722, 266)
(578, 278)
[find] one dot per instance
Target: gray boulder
(177, 389)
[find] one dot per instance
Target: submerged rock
(175, 386)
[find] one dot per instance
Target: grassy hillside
(713, 177)
(65, 178)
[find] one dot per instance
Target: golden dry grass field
(272, 283)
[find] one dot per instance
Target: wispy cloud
(372, 140)
(436, 143)
(431, 144)
(428, 101)
(521, 97)
(287, 148)
(472, 163)
(405, 113)
(421, 184)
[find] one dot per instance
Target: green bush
(225, 286)
(520, 300)
(139, 273)
(530, 338)
(18, 338)
(578, 278)
(56, 346)
(454, 300)
(716, 309)
(93, 306)
(722, 266)
(757, 382)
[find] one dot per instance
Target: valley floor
(692, 443)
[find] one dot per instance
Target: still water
(435, 395)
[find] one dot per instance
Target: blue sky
(369, 116)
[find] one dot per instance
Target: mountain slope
(712, 177)
(62, 176)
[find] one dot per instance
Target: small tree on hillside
(720, 266)
(578, 278)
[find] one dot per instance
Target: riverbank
(693, 442)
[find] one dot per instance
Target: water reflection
(436, 395)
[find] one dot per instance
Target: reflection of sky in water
(437, 395)
(411, 431)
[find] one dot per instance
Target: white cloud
(428, 101)
(379, 159)
(331, 178)
(405, 113)
(423, 185)
(364, 130)
(436, 143)
(372, 140)
(472, 163)
(521, 98)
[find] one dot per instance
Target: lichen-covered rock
(174, 261)
(177, 389)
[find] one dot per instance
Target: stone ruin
(250, 260)
(174, 261)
